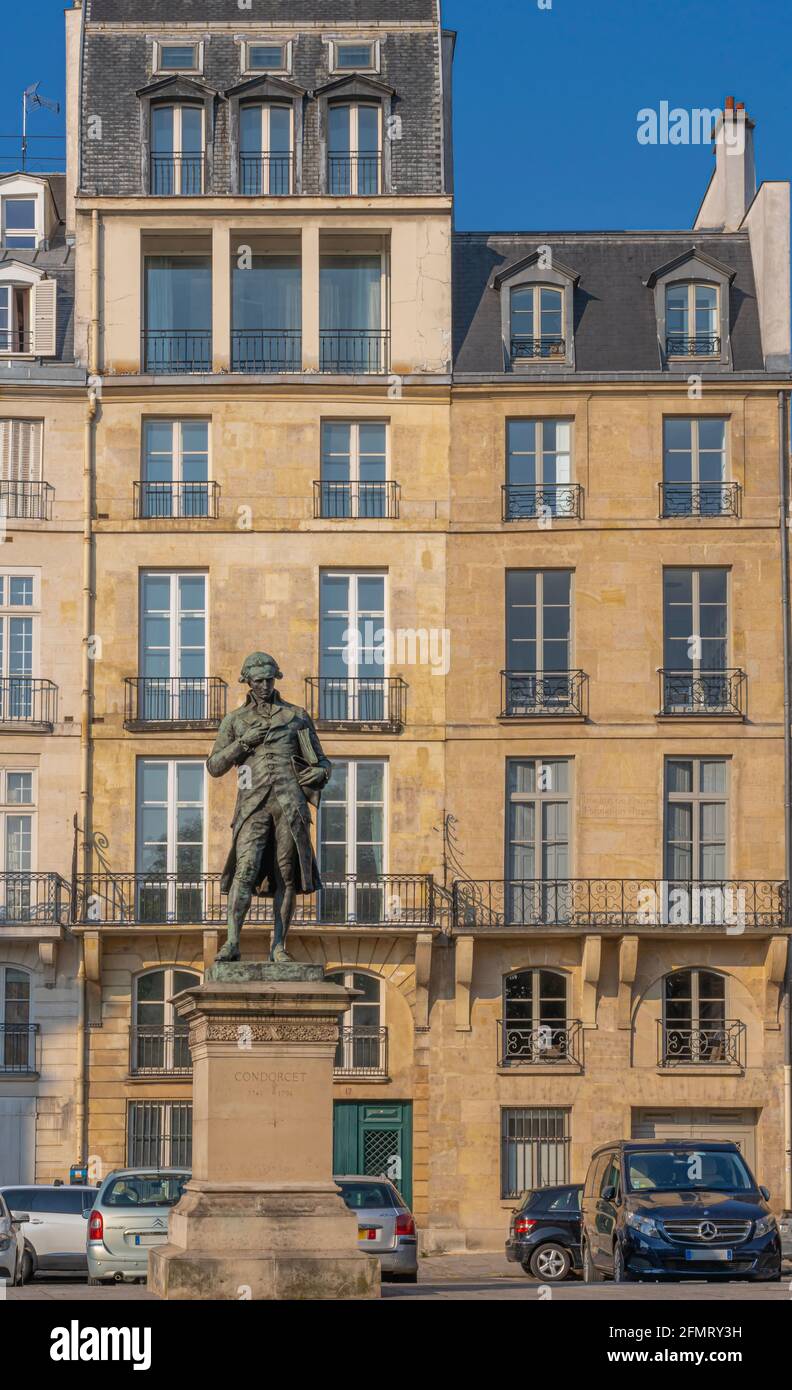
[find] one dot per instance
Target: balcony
(18, 1048)
(266, 351)
(361, 1052)
(550, 1044)
(356, 501)
(543, 501)
(26, 501)
(177, 175)
(354, 351)
(184, 702)
(377, 900)
(160, 1051)
(699, 499)
(33, 899)
(707, 1045)
(551, 348)
(27, 702)
(365, 704)
(177, 350)
(528, 694)
(702, 345)
(175, 501)
(707, 693)
(633, 904)
(16, 340)
(264, 175)
(354, 175)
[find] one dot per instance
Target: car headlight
(645, 1224)
(765, 1224)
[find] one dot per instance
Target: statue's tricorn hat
(260, 664)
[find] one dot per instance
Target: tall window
(361, 1043)
(19, 223)
(692, 320)
(178, 333)
(18, 896)
(538, 641)
(170, 839)
(694, 1017)
(266, 314)
(695, 604)
(353, 149)
(536, 322)
(535, 1016)
(160, 1040)
(537, 850)
(159, 1134)
(177, 159)
(537, 468)
(694, 467)
(265, 150)
(351, 837)
(173, 645)
(21, 490)
(175, 468)
(351, 337)
(534, 1149)
(352, 653)
(18, 632)
(696, 820)
(354, 468)
(15, 1021)
(16, 334)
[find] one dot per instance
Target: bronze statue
(280, 770)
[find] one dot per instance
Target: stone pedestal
(261, 1216)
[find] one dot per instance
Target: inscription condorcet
(252, 1030)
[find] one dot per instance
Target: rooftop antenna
(31, 99)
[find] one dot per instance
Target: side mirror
(765, 1191)
(608, 1193)
(19, 1216)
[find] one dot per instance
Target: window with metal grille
(534, 1149)
(159, 1133)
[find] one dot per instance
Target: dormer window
(355, 56)
(177, 156)
(19, 223)
(177, 57)
(353, 149)
(537, 297)
(537, 316)
(27, 311)
(266, 57)
(692, 320)
(265, 149)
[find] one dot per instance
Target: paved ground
(467, 1277)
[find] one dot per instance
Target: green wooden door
(375, 1140)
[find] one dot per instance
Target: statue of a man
(280, 770)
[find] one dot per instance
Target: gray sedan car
(129, 1216)
(385, 1224)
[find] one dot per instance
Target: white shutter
(20, 451)
(6, 433)
(44, 323)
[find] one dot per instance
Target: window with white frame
(263, 56)
(173, 55)
(694, 467)
(361, 1042)
(355, 55)
(538, 456)
(17, 820)
(352, 842)
(26, 210)
(173, 645)
(353, 310)
(170, 840)
(354, 143)
(354, 468)
(352, 646)
(20, 223)
(17, 1053)
(21, 492)
(177, 149)
(159, 1133)
(265, 149)
(175, 468)
(19, 633)
(538, 839)
(537, 317)
(692, 318)
(696, 820)
(696, 672)
(160, 1039)
(16, 335)
(28, 302)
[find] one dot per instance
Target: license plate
(367, 1233)
(709, 1254)
(153, 1238)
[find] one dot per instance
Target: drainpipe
(82, 1111)
(783, 475)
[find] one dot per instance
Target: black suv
(655, 1209)
(544, 1235)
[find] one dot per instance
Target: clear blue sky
(546, 101)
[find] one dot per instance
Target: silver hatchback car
(385, 1225)
(130, 1215)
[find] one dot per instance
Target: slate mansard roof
(614, 312)
(263, 11)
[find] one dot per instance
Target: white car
(53, 1226)
(12, 1246)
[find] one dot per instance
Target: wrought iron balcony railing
(354, 350)
(699, 499)
(177, 350)
(703, 1044)
(356, 501)
(551, 346)
(174, 501)
(157, 1050)
(263, 175)
(363, 702)
(703, 692)
(521, 1044)
(361, 1052)
(26, 501)
(162, 899)
(528, 693)
(600, 903)
(194, 700)
(529, 501)
(16, 340)
(18, 1047)
(28, 700)
(354, 175)
(176, 174)
(700, 345)
(266, 350)
(33, 898)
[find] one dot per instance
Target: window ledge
(354, 1080)
(169, 1078)
(702, 1069)
(540, 1069)
(705, 716)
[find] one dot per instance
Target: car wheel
(620, 1275)
(591, 1274)
(27, 1268)
(550, 1263)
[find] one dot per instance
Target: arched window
(537, 315)
(177, 149)
(694, 1017)
(353, 149)
(362, 1043)
(535, 1022)
(265, 149)
(692, 320)
(15, 1025)
(159, 1038)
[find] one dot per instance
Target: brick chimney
(733, 185)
